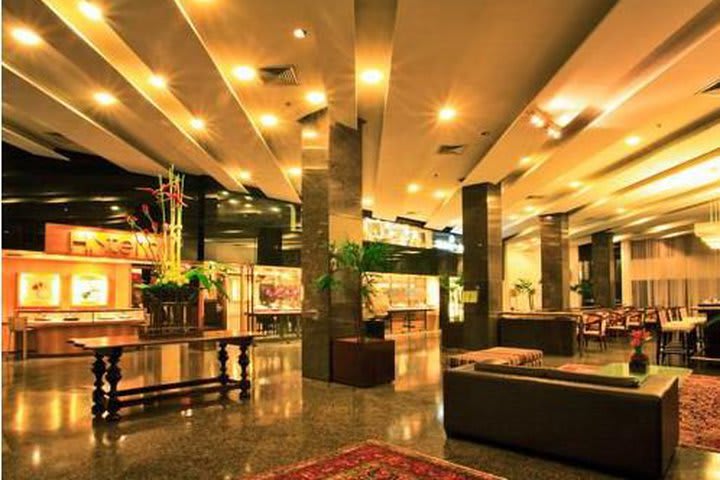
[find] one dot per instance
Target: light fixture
(371, 76)
(632, 140)
(413, 188)
(197, 123)
(157, 81)
(315, 97)
(244, 73)
(530, 209)
(537, 120)
(248, 205)
(114, 208)
(233, 201)
(244, 175)
(26, 36)
(300, 33)
(294, 171)
(104, 98)
(575, 184)
(525, 160)
(446, 113)
(275, 209)
(91, 11)
(621, 210)
(439, 194)
(368, 202)
(309, 133)
(554, 132)
(268, 120)
(709, 232)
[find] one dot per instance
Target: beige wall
(522, 260)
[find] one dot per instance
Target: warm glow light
(554, 132)
(525, 160)
(696, 176)
(530, 209)
(633, 140)
(315, 97)
(197, 123)
(269, 120)
(244, 73)
(309, 133)
(91, 11)
(413, 188)
(447, 113)
(575, 184)
(114, 208)
(300, 33)
(26, 36)
(439, 194)
(294, 171)
(157, 81)
(368, 202)
(39, 290)
(621, 210)
(89, 290)
(104, 98)
(244, 175)
(537, 120)
(371, 76)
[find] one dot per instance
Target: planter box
(374, 328)
(363, 364)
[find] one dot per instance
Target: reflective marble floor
(47, 431)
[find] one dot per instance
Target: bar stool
(674, 338)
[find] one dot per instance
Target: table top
(119, 341)
(258, 313)
(622, 369)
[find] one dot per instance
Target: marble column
(602, 267)
(555, 261)
(482, 264)
(269, 246)
(332, 213)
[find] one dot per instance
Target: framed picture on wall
(38, 289)
(89, 290)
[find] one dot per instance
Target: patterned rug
(374, 460)
(699, 412)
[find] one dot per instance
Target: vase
(639, 363)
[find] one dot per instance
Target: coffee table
(622, 369)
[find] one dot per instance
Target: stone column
(269, 246)
(482, 263)
(555, 261)
(603, 269)
(332, 213)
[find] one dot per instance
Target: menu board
(38, 289)
(89, 290)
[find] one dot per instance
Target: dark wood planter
(363, 364)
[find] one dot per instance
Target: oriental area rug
(699, 412)
(372, 461)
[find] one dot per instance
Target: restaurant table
(111, 400)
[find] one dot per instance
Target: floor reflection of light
(20, 414)
(713, 468)
(187, 412)
(55, 417)
(36, 458)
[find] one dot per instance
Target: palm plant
(523, 285)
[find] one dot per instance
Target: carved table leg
(98, 394)
(223, 358)
(244, 361)
(113, 377)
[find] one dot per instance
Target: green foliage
(452, 283)
(523, 285)
(584, 288)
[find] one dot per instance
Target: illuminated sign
(89, 290)
(396, 233)
(39, 290)
(95, 242)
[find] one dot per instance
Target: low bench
(499, 355)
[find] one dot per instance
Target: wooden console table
(113, 399)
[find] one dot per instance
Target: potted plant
(639, 361)
(523, 285)
(584, 289)
(171, 301)
(359, 361)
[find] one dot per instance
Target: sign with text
(99, 242)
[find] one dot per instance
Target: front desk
(413, 301)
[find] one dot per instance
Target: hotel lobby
(361, 239)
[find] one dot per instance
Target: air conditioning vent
(282, 75)
(712, 89)
(451, 149)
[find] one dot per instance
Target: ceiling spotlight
(26, 36)
(300, 33)
(554, 132)
(91, 11)
(197, 123)
(446, 113)
(244, 73)
(439, 194)
(275, 209)
(368, 202)
(371, 76)
(269, 120)
(413, 188)
(621, 210)
(309, 133)
(525, 160)
(530, 209)
(632, 140)
(575, 184)
(244, 175)
(294, 171)
(157, 81)
(315, 97)
(536, 120)
(114, 208)
(247, 205)
(104, 98)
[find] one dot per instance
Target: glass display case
(45, 317)
(405, 291)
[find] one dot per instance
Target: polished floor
(47, 431)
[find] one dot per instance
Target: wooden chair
(595, 326)
(635, 319)
(617, 322)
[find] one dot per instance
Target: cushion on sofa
(595, 379)
(536, 372)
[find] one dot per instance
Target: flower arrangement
(639, 361)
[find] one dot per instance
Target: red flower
(145, 209)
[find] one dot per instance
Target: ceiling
(617, 82)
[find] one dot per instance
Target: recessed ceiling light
(248, 205)
(197, 123)
(315, 97)
(575, 184)
(244, 73)
(554, 132)
(157, 81)
(233, 201)
(244, 175)
(525, 160)
(371, 76)
(632, 140)
(91, 11)
(269, 120)
(530, 209)
(309, 133)
(447, 113)
(275, 209)
(537, 120)
(439, 194)
(114, 208)
(294, 171)
(26, 36)
(368, 202)
(300, 33)
(413, 188)
(104, 98)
